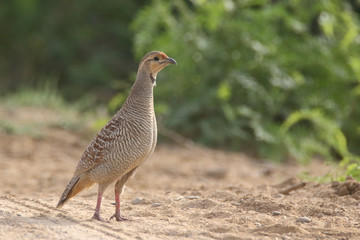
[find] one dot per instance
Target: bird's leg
(98, 204)
(117, 214)
(119, 187)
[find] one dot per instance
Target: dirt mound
(349, 187)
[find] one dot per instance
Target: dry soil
(180, 193)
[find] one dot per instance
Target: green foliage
(353, 169)
(85, 45)
(309, 133)
(317, 134)
(277, 77)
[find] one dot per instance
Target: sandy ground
(180, 193)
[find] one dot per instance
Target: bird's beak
(171, 60)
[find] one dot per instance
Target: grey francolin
(125, 142)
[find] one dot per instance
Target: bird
(124, 143)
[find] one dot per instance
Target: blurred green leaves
(85, 45)
(280, 78)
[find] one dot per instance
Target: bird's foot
(97, 217)
(118, 217)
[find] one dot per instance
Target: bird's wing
(102, 145)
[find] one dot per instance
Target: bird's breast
(133, 144)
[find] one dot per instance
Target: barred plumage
(125, 142)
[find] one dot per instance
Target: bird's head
(153, 62)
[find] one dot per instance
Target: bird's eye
(156, 58)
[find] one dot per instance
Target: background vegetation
(84, 47)
(277, 79)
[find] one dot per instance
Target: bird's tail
(76, 185)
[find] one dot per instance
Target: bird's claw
(97, 217)
(118, 217)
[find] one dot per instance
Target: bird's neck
(141, 95)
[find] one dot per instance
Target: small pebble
(193, 197)
(328, 224)
(178, 198)
(276, 213)
(279, 195)
(258, 224)
(156, 204)
(195, 193)
(136, 201)
(303, 220)
(217, 173)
